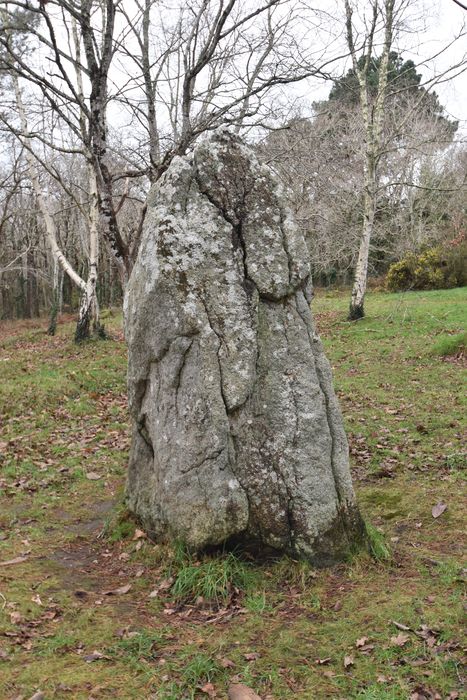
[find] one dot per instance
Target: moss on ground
(375, 628)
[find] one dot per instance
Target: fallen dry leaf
(36, 599)
(252, 656)
(320, 662)
(16, 618)
(93, 476)
(39, 695)
(399, 640)
(423, 693)
(226, 663)
(208, 689)
(138, 534)
(361, 642)
(400, 626)
(166, 584)
(438, 509)
(118, 591)
(348, 661)
(238, 691)
(49, 615)
(95, 656)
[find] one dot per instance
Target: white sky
(438, 24)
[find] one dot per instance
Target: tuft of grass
(201, 668)
(140, 645)
(119, 524)
(169, 691)
(377, 543)
(59, 643)
(450, 345)
(256, 602)
(214, 579)
(378, 692)
(457, 461)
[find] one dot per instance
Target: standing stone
(238, 436)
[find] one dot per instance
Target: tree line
(99, 98)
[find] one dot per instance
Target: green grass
(186, 622)
(214, 579)
(377, 543)
(450, 344)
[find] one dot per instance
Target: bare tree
(89, 308)
(74, 89)
(379, 31)
(321, 157)
(176, 73)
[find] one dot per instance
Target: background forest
(98, 99)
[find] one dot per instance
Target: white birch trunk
(88, 316)
(373, 118)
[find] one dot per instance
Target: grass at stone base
(285, 630)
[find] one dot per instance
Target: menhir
(237, 436)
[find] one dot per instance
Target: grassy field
(90, 608)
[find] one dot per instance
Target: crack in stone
(202, 461)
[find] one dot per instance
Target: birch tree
(174, 73)
(372, 115)
(89, 308)
(380, 29)
(78, 41)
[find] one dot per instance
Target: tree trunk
(88, 316)
(373, 118)
(356, 309)
(55, 305)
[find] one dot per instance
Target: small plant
(213, 579)
(451, 572)
(200, 669)
(256, 602)
(377, 544)
(140, 645)
(169, 691)
(298, 573)
(376, 692)
(60, 643)
(457, 461)
(119, 524)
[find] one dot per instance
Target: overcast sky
(443, 19)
